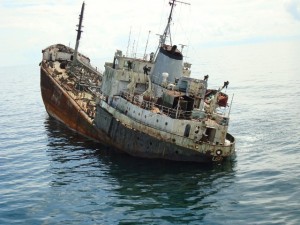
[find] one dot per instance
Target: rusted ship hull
(141, 144)
(109, 130)
(62, 107)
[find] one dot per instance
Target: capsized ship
(148, 107)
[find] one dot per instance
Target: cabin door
(211, 133)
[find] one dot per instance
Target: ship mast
(167, 31)
(79, 31)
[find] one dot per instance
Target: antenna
(147, 44)
(182, 46)
(132, 51)
(137, 43)
(128, 42)
(230, 105)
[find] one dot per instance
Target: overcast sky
(29, 26)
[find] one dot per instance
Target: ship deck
(74, 86)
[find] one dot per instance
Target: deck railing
(175, 113)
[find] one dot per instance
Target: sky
(29, 26)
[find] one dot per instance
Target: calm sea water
(50, 175)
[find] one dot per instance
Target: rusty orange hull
(62, 107)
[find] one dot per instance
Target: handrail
(148, 105)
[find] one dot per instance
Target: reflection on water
(129, 188)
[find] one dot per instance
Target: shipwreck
(146, 107)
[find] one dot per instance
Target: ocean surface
(51, 175)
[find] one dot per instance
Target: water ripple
(50, 175)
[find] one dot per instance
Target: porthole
(219, 152)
